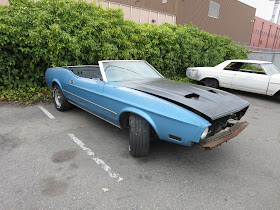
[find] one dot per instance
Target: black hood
(209, 102)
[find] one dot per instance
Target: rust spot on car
(222, 137)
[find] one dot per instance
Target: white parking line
(97, 160)
(46, 112)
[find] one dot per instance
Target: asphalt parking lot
(73, 160)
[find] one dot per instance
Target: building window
(164, 1)
(214, 9)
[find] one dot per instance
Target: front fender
(141, 113)
(165, 126)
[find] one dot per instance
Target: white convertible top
(225, 63)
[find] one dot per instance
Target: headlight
(204, 134)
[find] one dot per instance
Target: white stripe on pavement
(97, 160)
(46, 112)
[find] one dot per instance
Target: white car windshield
(129, 70)
(270, 68)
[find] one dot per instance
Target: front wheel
(211, 83)
(59, 100)
(139, 141)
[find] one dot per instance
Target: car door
(251, 78)
(87, 94)
(225, 78)
(225, 75)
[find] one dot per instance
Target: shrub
(48, 33)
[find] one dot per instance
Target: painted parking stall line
(46, 112)
(96, 159)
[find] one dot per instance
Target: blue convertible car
(134, 95)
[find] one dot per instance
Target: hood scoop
(192, 95)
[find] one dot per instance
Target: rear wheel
(139, 141)
(211, 83)
(59, 100)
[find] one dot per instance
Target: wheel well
(54, 83)
(203, 80)
(124, 122)
(277, 94)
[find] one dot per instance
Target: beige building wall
(145, 16)
(4, 2)
(140, 15)
(104, 4)
(126, 11)
(135, 15)
(114, 5)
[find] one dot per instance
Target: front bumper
(224, 136)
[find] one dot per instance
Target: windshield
(270, 68)
(129, 70)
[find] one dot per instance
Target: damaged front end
(224, 129)
(224, 122)
(221, 109)
(224, 136)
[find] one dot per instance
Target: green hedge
(48, 33)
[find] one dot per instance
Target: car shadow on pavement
(161, 152)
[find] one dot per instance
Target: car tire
(59, 100)
(211, 83)
(139, 141)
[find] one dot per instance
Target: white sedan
(248, 75)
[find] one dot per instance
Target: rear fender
(55, 81)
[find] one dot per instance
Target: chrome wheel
(59, 100)
(57, 97)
